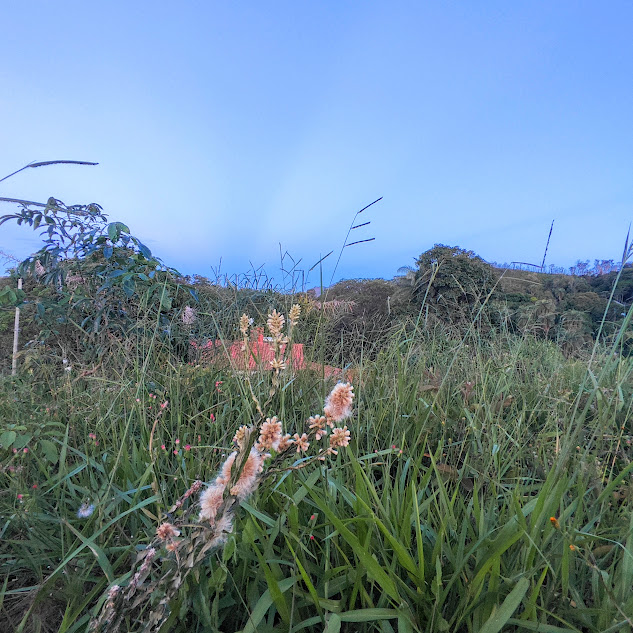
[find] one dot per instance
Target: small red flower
(20, 497)
(187, 447)
(312, 537)
(212, 417)
(25, 450)
(34, 486)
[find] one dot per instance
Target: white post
(16, 333)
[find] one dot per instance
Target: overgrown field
(486, 487)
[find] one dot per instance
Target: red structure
(259, 355)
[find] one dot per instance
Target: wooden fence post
(16, 334)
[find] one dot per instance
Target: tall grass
(438, 517)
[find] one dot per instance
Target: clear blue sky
(225, 128)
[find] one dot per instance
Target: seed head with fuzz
(338, 404)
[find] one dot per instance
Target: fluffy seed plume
(285, 442)
(225, 471)
(210, 502)
(166, 531)
(270, 435)
(247, 482)
(338, 404)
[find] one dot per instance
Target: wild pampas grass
(191, 531)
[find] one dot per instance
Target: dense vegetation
(487, 485)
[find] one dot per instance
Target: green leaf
(102, 559)
(7, 438)
(128, 288)
(113, 232)
(49, 449)
(263, 605)
(368, 615)
(333, 625)
(264, 518)
(499, 618)
(539, 627)
(22, 440)
(144, 250)
(165, 301)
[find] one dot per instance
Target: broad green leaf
(22, 440)
(7, 438)
(50, 451)
(144, 250)
(113, 232)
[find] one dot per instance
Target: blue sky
(225, 128)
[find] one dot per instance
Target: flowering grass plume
(338, 405)
(190, 530)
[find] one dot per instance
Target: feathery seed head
(338, 404)
(270, 435)
(294, 314)
(245, 323)
(166, 531)
(275, 323)
(339, 438)
(301, 442)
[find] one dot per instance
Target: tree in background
(92, 281)
(452, 283)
